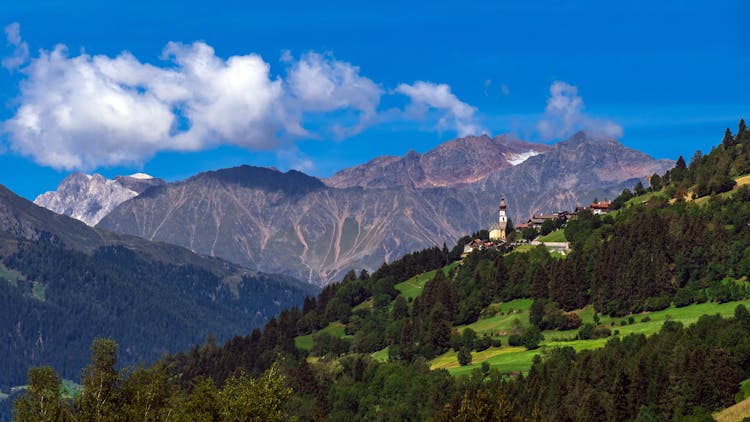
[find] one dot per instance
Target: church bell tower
(498, 230)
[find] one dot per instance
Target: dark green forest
(684, 239)
(60, 300)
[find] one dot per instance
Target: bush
(646, 319)
(683, 297)
(601, 332)
(585, 332)
(496, 342)
(631, 320)
(657, 303)
(482, 343)
(515, 340)
(464, 356)
(531, 338)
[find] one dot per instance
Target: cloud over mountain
(86, 111)
(453, 114)
(564, 115)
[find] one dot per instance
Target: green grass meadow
(555, 236)
(335, 329)
(518, 359)
(412, 287)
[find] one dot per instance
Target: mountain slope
(462, 160)
(63, 283)
(316, 233)
(90, 197)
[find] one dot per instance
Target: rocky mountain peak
(459, 161)
(264, 178)
(89, 198)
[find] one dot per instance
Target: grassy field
(555, 236)
(380, 355)
(335, 329)
(412, 287)
(364, 305)
(518, 359)
(39, 291)
(735, 413)
(9, 275)
(523, 248)
(499, 324)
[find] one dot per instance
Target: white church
(497, 231)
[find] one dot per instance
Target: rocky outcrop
(90, 197)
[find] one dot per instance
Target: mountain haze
(295, 224)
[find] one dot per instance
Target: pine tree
(406, 341)
(728, 140)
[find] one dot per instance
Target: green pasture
(555, 236)
(412, 287)
(518, 359)
(305, 342)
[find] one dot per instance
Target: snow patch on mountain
(517, 159)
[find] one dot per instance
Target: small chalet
(599, 208)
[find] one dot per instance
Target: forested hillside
(363, 348)
(63, 284)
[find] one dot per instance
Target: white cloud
(453, 114)
(564, 115)
(87, 111)
(318, 83)
(294, 159)
(20, 48)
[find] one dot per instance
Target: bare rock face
(90, 197)
(460, 161)
(294, 224)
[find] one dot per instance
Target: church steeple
(498, 230)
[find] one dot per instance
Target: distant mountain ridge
(90, 197)
(460, 161)
(295, 224)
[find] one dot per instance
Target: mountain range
(317, 230)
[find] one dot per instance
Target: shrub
(657, 303)
(515, 340)
(601, 332)
(631, 320)
(585, 332)
(482, 343)
(531, 338)
(683, 297)
(464, 356)
(646, 319)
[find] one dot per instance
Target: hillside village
(503, 234)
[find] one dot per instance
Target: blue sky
(665, 77)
